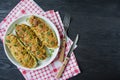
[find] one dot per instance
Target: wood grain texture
(62, 68)
(98, 24)
(62, 50)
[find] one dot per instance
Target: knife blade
(73, 45)
(60, 71)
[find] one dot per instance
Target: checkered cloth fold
(48, 72)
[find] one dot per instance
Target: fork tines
(66, 21)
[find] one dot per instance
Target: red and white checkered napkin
(49, 72)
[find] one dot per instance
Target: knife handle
(61, 56)
(62, 68)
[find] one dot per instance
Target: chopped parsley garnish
(8, 41)
(52, 42)
(30, 45)
(33, 25)
(27, 31)
(27, 19)
(8, 34)
(15, 45)
(49, 54)
(40, 25)
(51, 50)
(30, 36)
(16, 25)
(48, 33)
(38, 52)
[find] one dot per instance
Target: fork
(66, 23)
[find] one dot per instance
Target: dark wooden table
(98, 24)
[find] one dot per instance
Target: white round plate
(21, 20)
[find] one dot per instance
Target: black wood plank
(96, 21)
(8, 71)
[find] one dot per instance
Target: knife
(60, 71)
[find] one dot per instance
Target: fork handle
(62, 68)
(62, 51)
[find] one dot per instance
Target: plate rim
(52, 25)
